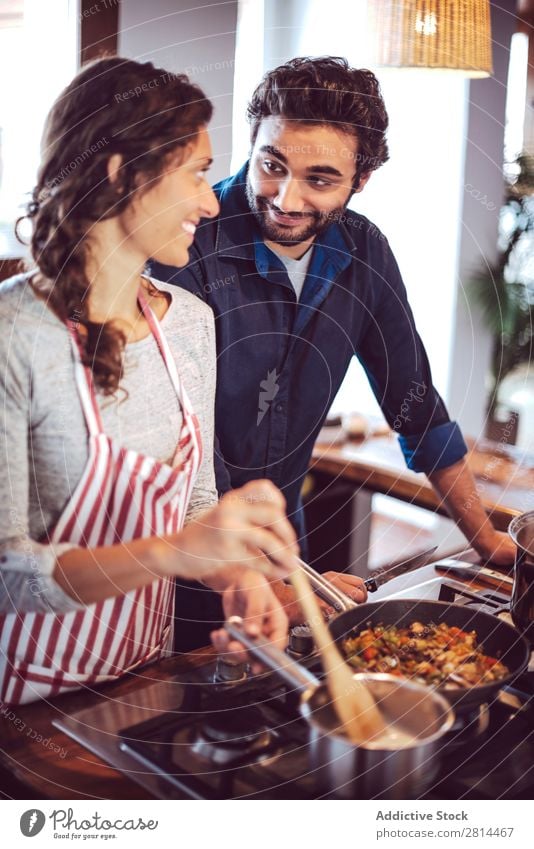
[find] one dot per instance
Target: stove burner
(468, 725)
(488, 601)
(233, 735)
(233, 726)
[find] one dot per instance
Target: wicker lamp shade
(442, 34)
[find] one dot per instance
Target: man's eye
(273, 167)
(319, 183)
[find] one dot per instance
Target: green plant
(504, 290)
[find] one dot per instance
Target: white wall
(416, 199)
(198, 38)
(483, 195)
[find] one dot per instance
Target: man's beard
(316, 222)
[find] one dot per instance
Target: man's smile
(287, 219)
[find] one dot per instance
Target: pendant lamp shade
(441, 34)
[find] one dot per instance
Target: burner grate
(488, 600)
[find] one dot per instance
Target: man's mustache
(296, 215)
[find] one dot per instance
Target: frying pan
(497, 638)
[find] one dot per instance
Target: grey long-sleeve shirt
(44, 439)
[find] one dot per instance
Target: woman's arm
(26, 566)
(204, 494)
(209, 549)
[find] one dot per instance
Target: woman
(108, 398)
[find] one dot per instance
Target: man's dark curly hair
(327, 90)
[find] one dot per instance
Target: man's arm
(457, 490)
(399, 372)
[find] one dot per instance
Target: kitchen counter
(39, 761)
(45, 763)
(504, 474)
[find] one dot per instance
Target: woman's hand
(250, 596)
(248, 527)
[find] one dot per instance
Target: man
(299, 285)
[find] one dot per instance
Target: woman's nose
(210, 204)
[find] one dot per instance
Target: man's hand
(349, 584)
(250, 596)
(500, 550)
(456, 486)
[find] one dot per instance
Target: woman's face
(161, 220)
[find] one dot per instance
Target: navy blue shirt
(281, 362)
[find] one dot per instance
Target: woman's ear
(114, 163)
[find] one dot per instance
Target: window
(38, 57)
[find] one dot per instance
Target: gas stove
(225, 734)
(245, 739)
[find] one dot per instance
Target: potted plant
(504, 290)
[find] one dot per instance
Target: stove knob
(226, 672)
(301, 640)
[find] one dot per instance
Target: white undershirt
(297, 269)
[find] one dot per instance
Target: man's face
(300, 178)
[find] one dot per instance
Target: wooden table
(504, 477)
(37, 761)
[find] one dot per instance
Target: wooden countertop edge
(26, 764)
(399, 486)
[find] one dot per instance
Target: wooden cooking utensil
(352, 701)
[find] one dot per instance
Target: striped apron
(121, 496)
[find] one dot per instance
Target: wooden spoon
(353, 703)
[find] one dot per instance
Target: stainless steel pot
(349, 771)
(522, 607)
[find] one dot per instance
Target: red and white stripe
(122, 495)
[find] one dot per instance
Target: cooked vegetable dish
(429, 654)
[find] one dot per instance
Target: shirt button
(279, 408)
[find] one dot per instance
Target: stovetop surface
(490, 756)
(246, 739)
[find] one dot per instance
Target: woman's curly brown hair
(113, 106)
(326, 90)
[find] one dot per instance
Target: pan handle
(294, 674)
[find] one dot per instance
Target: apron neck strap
(85, 384)
(164, 349)
(84, 375)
